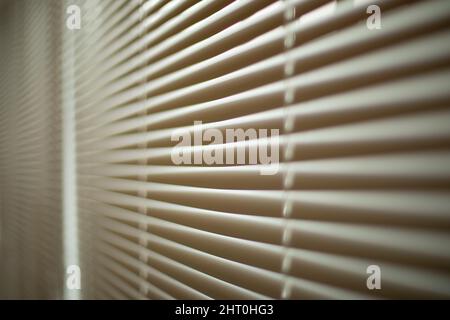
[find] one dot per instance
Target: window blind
(363, 175)
(364, 139)
(30, 151)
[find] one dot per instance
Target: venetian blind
(363, 175)
(363, 180)
(31, 264)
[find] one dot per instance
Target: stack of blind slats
(30, 151)
(369, 134)
(364, 171)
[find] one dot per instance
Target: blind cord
(143, 226)
(288, 126)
